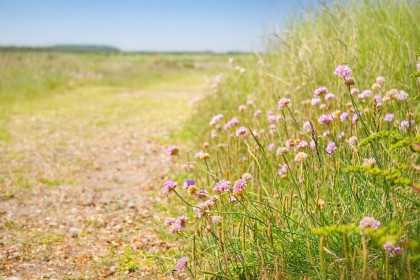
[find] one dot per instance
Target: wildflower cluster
(300, 169)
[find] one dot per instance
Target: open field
(81, 145)
(302, 162)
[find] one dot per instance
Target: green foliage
(298, 215)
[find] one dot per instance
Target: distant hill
(64, 48)
(86, 48)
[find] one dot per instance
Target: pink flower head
(380, 80)
(177, 224)
(326, 133)
(168, 187)
(329, 96)
(271, 119)
(201, 194)
(343, 71)
(239, 186)
(289, 143)
(391, 248)
(331, 147)
(389, 117)
(181, 264)
(233, 122)
(271, 147)
(320, 91)
(283, 103)
(353, 140)
(369, 222)
(402, 95)
(404, 125)
(378, 100)
(216, 219)
(257, 114)
(341, 135)
(173, 151)
(222, 186)
(344, 116)
(315, 101)
(283, 170)
(312, 145)
(169, 222)
(355, 117)
(188, 184)
(366, 93)
(307, 126)
(242, 132)
(325, 119)
(301, 145)
(216, 119)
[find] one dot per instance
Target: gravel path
(77, 192)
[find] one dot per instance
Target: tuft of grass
(300, 210)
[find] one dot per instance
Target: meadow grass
(289, 181)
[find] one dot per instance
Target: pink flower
(271, 147)
(216, 119)
(233, 122)
(315, 101)
(343, 71)
(222, 186)
(325, 119)
(344, 116)
(177, 224)
(181, 264)
(404, 125)
(331, 147)
(329, 96)
(320, 91)
(173, 151)
(168, 187)
(307, 126)
(380, 80)
(169, 221)
(353, 140)
(402, 95)
(302, 144)
(326, 133)
(283, 103)
(242, 132)
(389, 117)
(312, 145)
(216, 219)
(366, 93)
(391, 248)
(239, 186)
(378, 100)
(257, 114)
(355, 117)
(271, 119)
(369, 222)
(341, 135)
(283, 170)
(201, 194)
(188, 184)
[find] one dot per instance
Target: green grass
(306, 225)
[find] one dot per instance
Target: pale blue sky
(158, 25)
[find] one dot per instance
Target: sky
(144, 25)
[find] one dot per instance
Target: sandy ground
(77, 199)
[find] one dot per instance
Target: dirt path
(79, 181)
